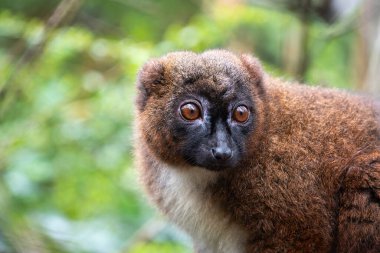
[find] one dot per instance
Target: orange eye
(190, 111)
(241, 114)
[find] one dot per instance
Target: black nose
(221, 153)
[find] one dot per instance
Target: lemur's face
(198, 110)
(211, 125)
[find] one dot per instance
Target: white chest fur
(190, 207)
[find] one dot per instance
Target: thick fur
(307, 181)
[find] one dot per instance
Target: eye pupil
(241, 114)
(190, 111)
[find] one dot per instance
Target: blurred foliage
(68, 182)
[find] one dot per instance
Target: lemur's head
(200, 109)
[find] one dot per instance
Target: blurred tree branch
(367, 58)
(371, 31)
(374, 64)
(320, 8)
(63, 13)
(297, 61)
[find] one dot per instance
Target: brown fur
(310, 180)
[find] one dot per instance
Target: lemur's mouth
(219, 165)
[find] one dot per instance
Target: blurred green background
(67, 74)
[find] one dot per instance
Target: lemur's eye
(241, 114)
(190, 111)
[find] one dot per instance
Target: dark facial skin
(211, 127)
(201, 109)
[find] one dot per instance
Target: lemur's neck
(189, 202)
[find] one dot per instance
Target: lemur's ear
(150, 80)
(255, 70)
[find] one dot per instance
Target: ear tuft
(151, 73)
(150, 78)
(255, 70)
